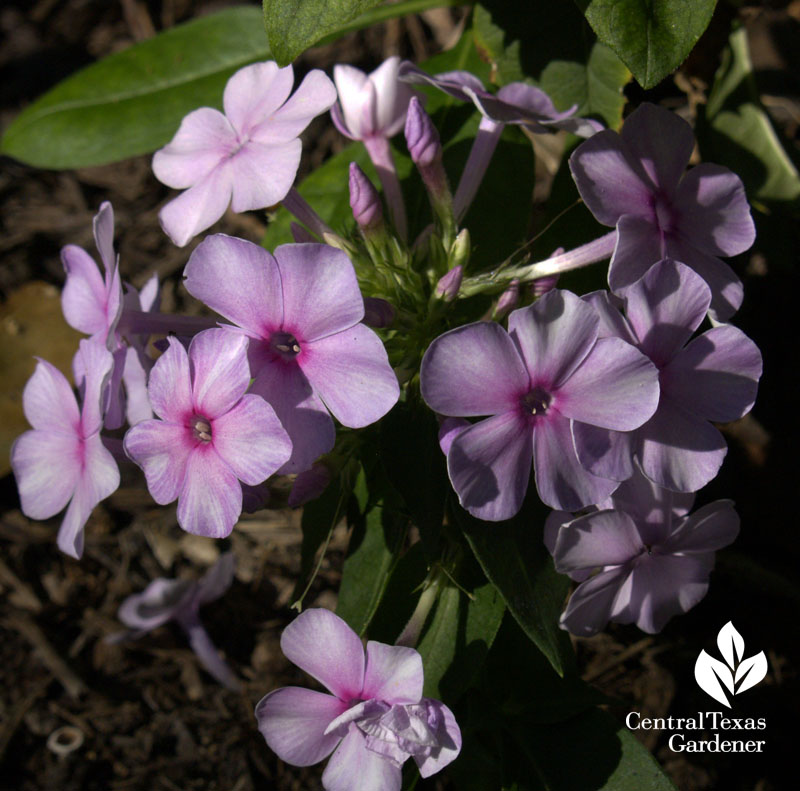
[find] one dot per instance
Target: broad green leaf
(736, 130)
(375, 541)
(651, 37)
(514, 558)
(132, 102)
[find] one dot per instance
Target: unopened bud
(364, 199)
(378, 313)
(422, 139)
(509, 299)
(544, 284)
(448, 286)
(460, 250)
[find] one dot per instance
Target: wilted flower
(375, 719)
(248, 157)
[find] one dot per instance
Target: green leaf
(132, 102)
(651, 37)
(376, 539)
(514, 558)
(736, 130)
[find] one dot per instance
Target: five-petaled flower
(375, 719)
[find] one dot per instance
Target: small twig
(629, 652)
(14, 716)
(23, 595)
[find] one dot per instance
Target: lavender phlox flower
(713, 377)
(516, 103)
(309, 352)
(547, 374)
(372, 108)
(635, 181)
(180, 600)
(375, 718)
(62, 460)
(211, 434)
(248, 156)
(640, 557)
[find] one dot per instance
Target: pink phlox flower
(180, 600)
(640, 558)
(62, 460)
(248, 156)
(373, 722)
(373, 104)
(536, 382)
(309, 351)
(711, 378)
(211, 434)
(636, 181)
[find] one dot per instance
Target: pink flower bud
(447, 288)
(364, 199)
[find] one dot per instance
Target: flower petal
(204, 139)
(554, 335)
(716, 375)
(48, 401)
(562, 482)
(84, 297)
(589, 609)
(210, 502)
(216, 581)
(489, 465)
(320, 291)
(615, 387)
(254, 93)
(354, 766)
(96, 363)
(155, 605)
(394, 674)
(638, 248)
(392, 97)
(603, 452)
(473, 370)
(170, 385)
(712, 527)
(448, 736)
(237, 279)
(713, 212)
(293, 722)
(324, 646)
(251, 190)
(220, 371)
(251, 440)
(162, 451)
(351, 373)
(354, 92)
(612, 323)
(604, 538)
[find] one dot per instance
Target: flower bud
(460, 249)
(509, 300)
(364, 199)
(544, 284)
(422, 139)
(448, 286)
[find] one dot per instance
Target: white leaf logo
(735, 674)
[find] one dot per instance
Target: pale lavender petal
(712, 527)
(84, 298)
(149, 296)
(112, 404)
(220, 371)
(613, 323)
(254, 93)
(237, 279)
(561, 480)
(355, 94)
(204, 140)
(299, 409)
(638, 247)
(448, 736)
(605, 538)
(210, 502)
(590, 606)
(603, 452)
(727, 291)
(354, 766)
(96, 363)
(554, 335)
(661, 142)
(450, 428)
(351, 373)
(716, 375)
(392, 97)
(216, 581)
(340, 667)
(48, 401)
(473, 370)
(552, 525)
(170, 385)
(394, 674)
(155, 605)
(320, 291)
(199, 207)
(615, 387)
(162, 451)
(652, 507)
(47, 466)
(293, 722)
(251, 440)
(99, 478)
(263, 174)
(489, 465)
(135, 378)
(679, 450)
(609, 178)
(103, 226)
(665, 307)
(713, 212)
(452, 83)
(314, 96)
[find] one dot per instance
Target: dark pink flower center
(285, 345)
(201, 428)
(536, 402)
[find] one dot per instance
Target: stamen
(285, 344)
(537, 402)
(201, 429)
